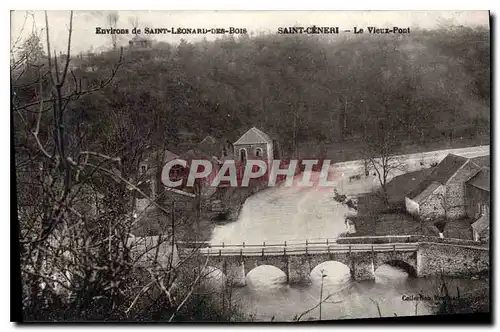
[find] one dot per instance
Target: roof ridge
(255, 131)
(259, 132)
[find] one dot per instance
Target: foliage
(79, 260)
(305, 89)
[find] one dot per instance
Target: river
(295, 214)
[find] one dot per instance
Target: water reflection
(267, 296)
(281, 214)
(213, 278)
(330, 278)
(265, 278)
(387, 274)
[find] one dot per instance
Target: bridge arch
(212, 276)
(334, 271)
(401, 265)
(265, 275)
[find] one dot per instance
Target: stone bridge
(298, 261)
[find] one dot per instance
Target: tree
(78, 257)
(113, 18)
(32, 49)
(380, 147)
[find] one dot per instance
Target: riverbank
(374, 218)
(233, 199)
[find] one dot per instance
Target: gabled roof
(138, 38)
(400, 185)
(169, 155)
(252, 136)
(482, 224)
(196, 154)
(481, 180)
(483, 161)
(427, 192)
(210, 146)
(209, 139)
(440, 174)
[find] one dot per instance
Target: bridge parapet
(298, 260)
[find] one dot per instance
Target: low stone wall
(451, 260)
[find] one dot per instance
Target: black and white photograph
(250, 166)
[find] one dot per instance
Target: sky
(85, 23)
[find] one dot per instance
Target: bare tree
(79, 259)
(112, 19)
(134, 21)
(380, 150)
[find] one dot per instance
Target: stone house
(477, 194)
(442, 193)
(254, 145)
(140, 42)
(477, 191)
(481, 229)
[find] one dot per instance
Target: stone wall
(455, 202)
(251, 151)
(475, 196)
(433, 206)
(411, 207)
(455, 190)
(406, 260)
(453, 260)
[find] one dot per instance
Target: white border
(200, 5)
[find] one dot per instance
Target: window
(258, 152)
(243, 155)
(143, 168)
(484, 209)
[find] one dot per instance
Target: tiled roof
(481, 180)
(252, 136)
(441, 173)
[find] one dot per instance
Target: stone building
(140, 42)
(477, 191)
(442, 193)
(477, 194)
(254, 145)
